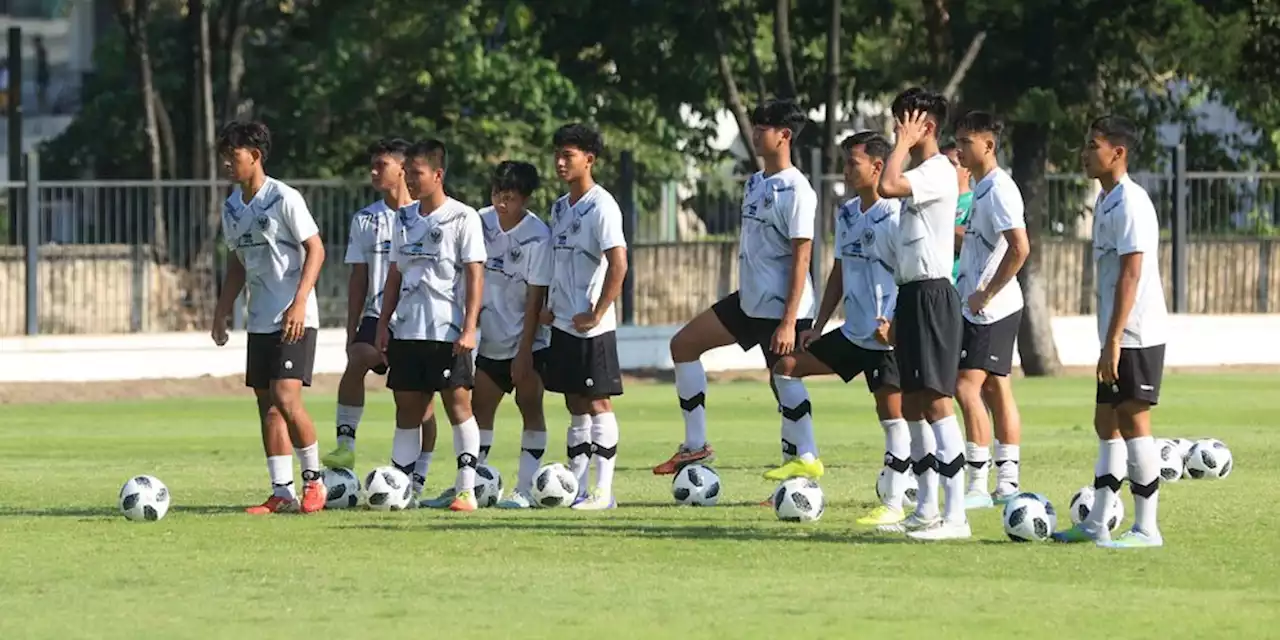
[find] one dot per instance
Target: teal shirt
(963, 207)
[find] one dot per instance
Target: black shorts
(367, 333)
(1139, 375)
(583, 366)
(928, 329)
(847, 359)
(989, 347)
(499, 371)
(427, 366)
(269, 359)
(749, 332)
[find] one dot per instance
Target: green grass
(71, 567)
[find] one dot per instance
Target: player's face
(386, 172)
(1099, 156)
(971, 149)
(573, 163)
(861, 171)
(507, 202)
(768, 139)
(421, 178)
(240, 164)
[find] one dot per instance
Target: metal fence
(130, 256)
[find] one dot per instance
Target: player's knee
(361, 357)
(529, 401)
(685, 346)
(598, 406)
(969, 389)
(785, 366)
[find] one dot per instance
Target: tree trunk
(237, 30)
(133, 15)
(936, 21)
(168, 142)
(1035, 336)
(782, 49)
(833, 88)
(731, 95)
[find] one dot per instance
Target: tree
(134, 19)
(732, 97)
(830, 161)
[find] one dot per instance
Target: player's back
(775, 210)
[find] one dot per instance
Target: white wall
(1195, 341)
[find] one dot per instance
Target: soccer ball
(1172, 464)
(144, 499)
(1209, 459)
(909, 496)
(387, 489)
(343, 489)
(488, 486)
(1028, 517)
(798, 500)
(697, 486)
(554, 486)
(1082, 504)
(1184, 448)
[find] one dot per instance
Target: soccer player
(369, 254)
(774, 301)
(964, 204)
(276, 248)
(994, 249)
(433, 290)
(580, 278)
(862, 277)
(1131, 328)
(927, 323)
(515, 241)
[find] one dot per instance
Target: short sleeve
(355, 242)
(1137, 229)
(932, 180)
(803, 209)
(609, 226)
(297, 217)
(1007, 209)
(471, 239)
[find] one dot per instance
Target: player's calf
(798, 438)
(286, 398)
(702, 334)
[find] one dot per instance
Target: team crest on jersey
(263, 223)
(575, 227)
(515, 254)
(768, 200)
(868, 236)
(435, 235)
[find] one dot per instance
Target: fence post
(33, 241)
(14, 123)
(1181, 195)
(627, 200)
(819, 223)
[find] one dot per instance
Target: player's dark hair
(1117, 130)
(389, 147)
(430, 150)
(781, 114)
(239, 134)
(510, 175)
(980, 122)
(918, 99)
(579, 136)
(872, 143)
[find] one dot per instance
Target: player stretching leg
(1131, 329)
(434, 288)
(927, 322)
(368, 253)
(275, 247)
(994, 249)
(775, 297)
(581, 277)
(515, 241)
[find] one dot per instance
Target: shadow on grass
(734, 467)
(103, 512)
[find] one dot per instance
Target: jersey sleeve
(1007, 209)
(929, 181)
(802, 209)
(471, 239)
(1137, 229)
(355, 242)
(609, 230)
(297, 217)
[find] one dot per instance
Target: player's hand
(805, 337)
(219, 332)
(1109, 364)
(884, 331)
(294, 323)
(546, 317)
(466, 342)
(585, 322)
(784, 339)
(382, 338)
(977, 301)
(910, 128)
(522, 367)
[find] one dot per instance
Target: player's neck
(980, 173)
(1110, 180)
(432, 202)
(777, 163)
(579, 188)
(511, 220)
(396, 198)
(251, 188)
(868, 197)
(924, 150)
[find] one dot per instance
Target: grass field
(72, 568)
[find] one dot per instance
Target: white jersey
(775, 210)
(369, 243)
(431, 252)
(997, 208)
(865, 246)
(575, 267)
(1125, 222)
(267, 235)
(927, 245)
(513, 255)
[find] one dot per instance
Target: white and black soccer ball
(1172, 463)
(342, 489)
(1209, 459)
(387, 489)
(1029, 518)
(697, 486)
(799, 500)
(144, 499)
(909, 496)
(488, 486)
(1184, 448)
(554, 486)
(1082, 504)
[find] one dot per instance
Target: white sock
(1144, 482)
(897, 460)
(532, 445)
(1008, 463)
(406, 444)
(1108, 472)
(578, 447)
(978, 459)
(797, 416)
(925, 465)
(348, 421)
(604, 450)
(691, 387)
(466, 441)
(309, 460)
(486, 442)
(280, 469)
(421, 466)
(950, 456)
